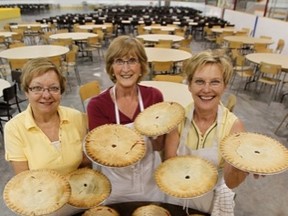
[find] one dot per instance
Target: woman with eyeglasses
(126, 65)
(45, 135)
(207, 122)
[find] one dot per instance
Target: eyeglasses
(213, 83)
(121, 62)
(40, 89)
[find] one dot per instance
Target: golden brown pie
(186, 176)
(89, 188)
(115, 145)
(151, 210)
(255, 153)
(159, 118)
(101, 211)
(36, 192)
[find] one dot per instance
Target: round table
(73, 35)
(162, 28)
(176, 92)
(30, 52)
(156, 37)
(91, 26)
(164, 54)
(29, 25)
(3, 84)
(271, 58)
(7, 34)
(248, 40)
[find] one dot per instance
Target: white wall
(262, 26)
(274, 28)
(240, 19)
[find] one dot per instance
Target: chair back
(9, 94)
(169, 78)
(270, 69)
(89, 90)
(231, 102)
(280, 46)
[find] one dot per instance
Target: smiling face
(207, 87)
(127, 71)
(44, 102)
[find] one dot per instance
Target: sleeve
(99, 112)
(14, 149)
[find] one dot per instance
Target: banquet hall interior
(266, 196)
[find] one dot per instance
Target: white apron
(135, 182)
(212, 201)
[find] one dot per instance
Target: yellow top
(195, 140)
(25, 141)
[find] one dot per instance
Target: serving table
(174, 92)
(127, 208)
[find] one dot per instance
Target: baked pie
(186, 176)
(255, 153)
(152, 210)
(36, 192)
(159, 118)
(101, 211)
(89, 188)
(114, 145)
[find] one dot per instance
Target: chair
(209, 36)
(159, 67)
(269, 74)
(169, 78)
(242, 70)
(231, 102)
(16, 44)
(71, 62)
(16, 69)
(164, 43)
(93, 43)
(280, 46)
(89, 90)
(281, 123)
(10, 99)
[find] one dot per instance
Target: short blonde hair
(126, 46)
(209, 57)
(37, 67)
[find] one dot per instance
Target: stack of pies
(36, 192)
(186, 176)
(101, 211)
(151, 210)
(159, 118)
(114, 145)
(89, 188)
(255, 153)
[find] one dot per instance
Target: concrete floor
(267, 196)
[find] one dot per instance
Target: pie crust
(101, 211)
(114, 145)
(186, 176)
(36, 192)
(151, 210)
(255, 153)
(159, 118)
(89, 188)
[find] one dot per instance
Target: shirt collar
(30, 123)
